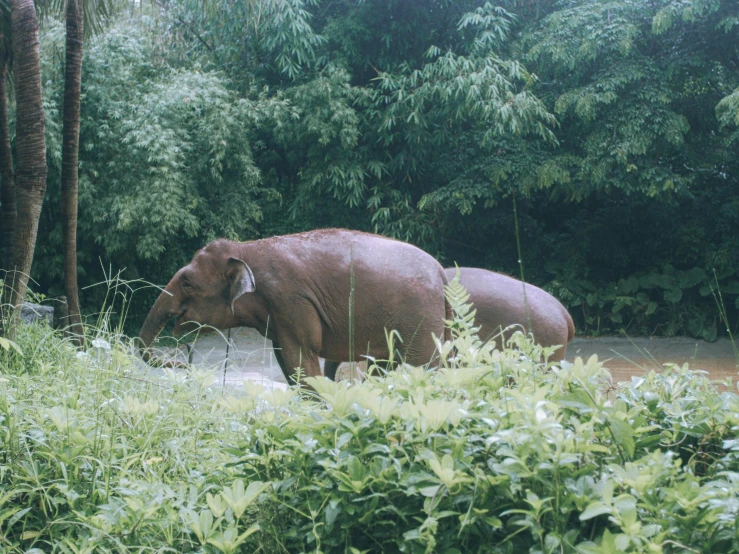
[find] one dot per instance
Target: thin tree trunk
(70, 162)
(7, 182)
(30, 178)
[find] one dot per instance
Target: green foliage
(687, 10)
(727, 112)
(322, 117)
(617, 99)
(7, 345)
(614, 124)
(491, 26)
(444, 123)
(494, 452)
(98, 455)
(255, 42)
(669, 302)
(288, 34)
(462, 90)
(182, 165)
(166, 161)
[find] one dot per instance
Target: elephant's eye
(186, 285)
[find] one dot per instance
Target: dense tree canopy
(614, 126)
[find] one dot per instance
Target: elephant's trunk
(162, 310)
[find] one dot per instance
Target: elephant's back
(500, 302)
(364, 282)
(334, 254)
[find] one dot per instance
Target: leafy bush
(419, 120)
(667, 302)
(97, 455)
(494, 452)
(166, 162)
(498, 453)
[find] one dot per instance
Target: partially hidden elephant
(500, 304)
(296, 291)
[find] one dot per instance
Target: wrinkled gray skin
(499, 301)
(294, 290)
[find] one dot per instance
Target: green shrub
(497, 453)
(99, 455)
(494, 452)
(667, 302)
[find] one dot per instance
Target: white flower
(101, 343)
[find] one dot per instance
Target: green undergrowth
(493, 452)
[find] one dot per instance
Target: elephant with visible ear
(295, 290)
(499, 301)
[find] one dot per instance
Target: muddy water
(626, 357)
(251, 356)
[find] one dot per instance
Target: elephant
(499, 301)
(296, 290)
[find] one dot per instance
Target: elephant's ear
(240, 280)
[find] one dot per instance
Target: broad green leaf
(7, 344)
(594, 509)
(623, 434)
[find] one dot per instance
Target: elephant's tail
(570, 327)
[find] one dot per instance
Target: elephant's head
(201, 293)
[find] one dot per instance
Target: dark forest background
(609, 130)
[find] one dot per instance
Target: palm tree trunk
(7, 184)
(70, 162)
(30, 178)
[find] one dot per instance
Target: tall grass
(99, 454)
(723, 315)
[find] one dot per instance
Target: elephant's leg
(299, 334)
(329, 369)
(287, 371)
(294, 354)
(559, 355)
(300, 342)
